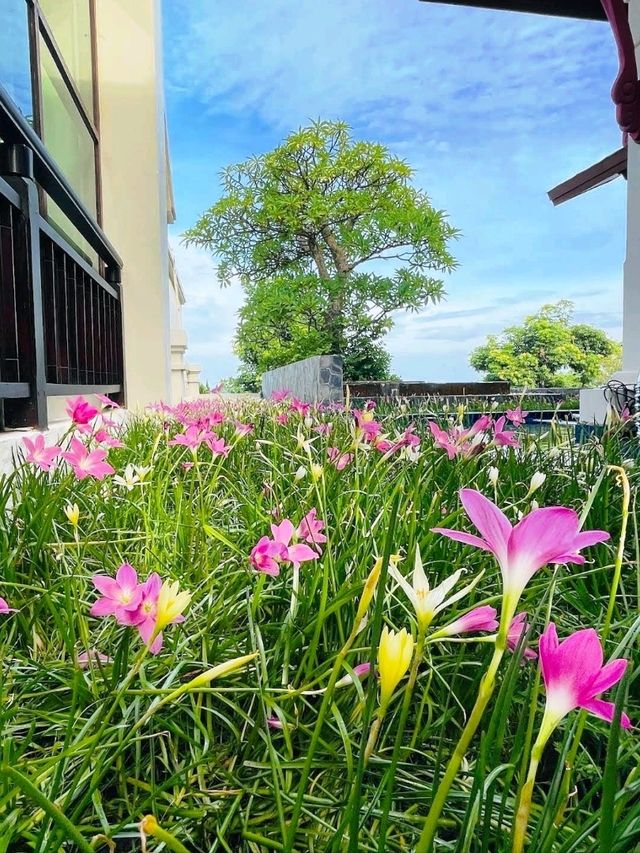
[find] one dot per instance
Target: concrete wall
(134, 185)
(313, 380)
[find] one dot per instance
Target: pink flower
(103, 437)
(574, 676)
(298, 552)
(478, 619)
(243, 429)
(338, 460)
(502, 437)
(310, 528)
(324, 429)
(5, 609)
(298, 406)
(547, 535)
(516, 416)
(87, 463)
(274, 723)
(144, 617)
(279, 396)
(91, 658)
(409, 438)
(38, 454)
(107, 402)
(282, 418)
(517, 627)
(444, 440)
(384, 445)
(121, 596)
(192, 437)
(267, 555)
(218, 447)
(80, 411)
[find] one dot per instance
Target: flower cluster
(149, 606)
(458, 441)
(289, 544)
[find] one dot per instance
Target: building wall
(134, 185)
(631, 301)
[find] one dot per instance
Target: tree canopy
(547, 350)
(329, 237)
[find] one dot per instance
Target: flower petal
(605, 710)
(459, 536)
(493, 525)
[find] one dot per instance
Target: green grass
(86, 753)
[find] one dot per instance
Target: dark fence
(60, 317)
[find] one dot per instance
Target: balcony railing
(60, 317)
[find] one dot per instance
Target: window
(70, 24)
(15, 65)
(65, 133)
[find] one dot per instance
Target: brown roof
(588, 9)
(600, 173)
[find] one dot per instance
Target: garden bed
(276, 711)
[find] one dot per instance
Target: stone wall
(312, 380)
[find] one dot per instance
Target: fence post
(16, 166)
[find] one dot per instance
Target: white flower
(308, 422)
(536, 481)
(301, 473)
(130, 477)
(428, 602)
(493, 475)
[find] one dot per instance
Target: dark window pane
(70, 24)
(15, 69)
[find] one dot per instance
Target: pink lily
(323, 429)
(107, 402)
(298, 406)
(243, 429)
(87, 463)
(80, 411)
(516, 416)
(279, 396)
(144, 617)
(39, 455)
(218, 447)
(282, 418)
(91, 658)
(121, 596)
(479, 619)
(517, 627)
(103, 437)
(5, 609)
(574, 676)
(298, 552)
(310, 528)
(547, 535)
(503, 437)
(338, 460)
(267, 555)
(443, 440)
(192, 437)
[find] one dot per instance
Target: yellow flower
(394, 656)
(316, 471)
(170, 605)
(370, 586)
(72, 513)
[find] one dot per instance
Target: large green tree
(548, 350)
(329, 237)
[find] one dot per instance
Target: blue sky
(492, 109)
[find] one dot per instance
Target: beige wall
(134, 185)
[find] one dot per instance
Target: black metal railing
(60, 317)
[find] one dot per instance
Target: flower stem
(487, 686)
(524, 808)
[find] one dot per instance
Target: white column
(134, 185)
(631, 299)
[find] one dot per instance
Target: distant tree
(309, 230)
(547, 350)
